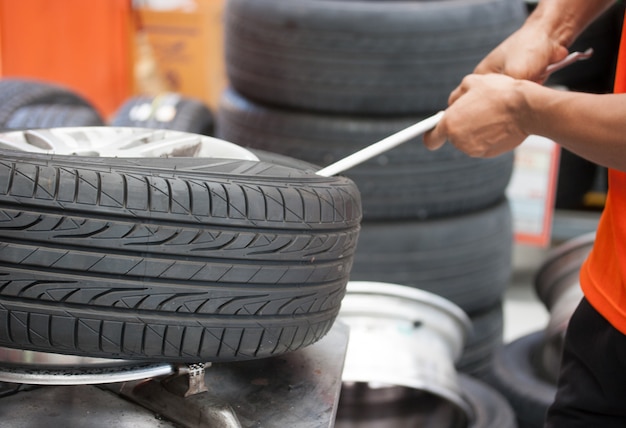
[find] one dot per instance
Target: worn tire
(486, 338)
(18, 93)
(465, 259)
(370, 57)
(406, 182)
(491, 410)
(169, 111)
(53, 116)
(170, 259)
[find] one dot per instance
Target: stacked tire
(32, 104)
(171, 111)
(319, 80)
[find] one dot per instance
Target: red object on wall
(84, 45)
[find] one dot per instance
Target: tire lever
(421, 127)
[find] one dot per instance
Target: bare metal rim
(402, 336)
(43, 368)
(118, 141)
(416, 295)
(30, 359)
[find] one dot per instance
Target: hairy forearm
(497, 107)
(564, 20)
(544, 38)
(590, 125)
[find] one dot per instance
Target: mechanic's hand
(485, 111)
(484, 116)
(524, 55)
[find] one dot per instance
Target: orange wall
(83, 44)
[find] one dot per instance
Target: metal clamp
(188, 380)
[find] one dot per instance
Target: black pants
(592, 382)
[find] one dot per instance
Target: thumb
(435, 138)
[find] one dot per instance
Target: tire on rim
(189, 259)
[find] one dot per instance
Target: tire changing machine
(297, 389)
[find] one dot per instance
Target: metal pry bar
(419, 128)
(381, 146)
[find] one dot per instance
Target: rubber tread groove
(222, 285)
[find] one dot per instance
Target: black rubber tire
(191, 115)
(53, 116)
(465, 259)
(18, 93)
(361, 56)
(170, 259)
(491, 410)
(515, 375)
(486, 338)
(406, 182)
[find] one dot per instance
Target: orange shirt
(603, 275)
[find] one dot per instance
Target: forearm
(592, 126)
(543, 39)
(496, 108)
(564, 20)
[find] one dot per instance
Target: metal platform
(298, 389)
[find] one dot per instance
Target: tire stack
(31, 104)
(319, 80)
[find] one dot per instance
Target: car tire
(465, 259)
(366, 57)
(491, 410)
(486, 338)
(168, 111)
(18, 93)
(515, 375)
(170, 259)
(53, 116)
